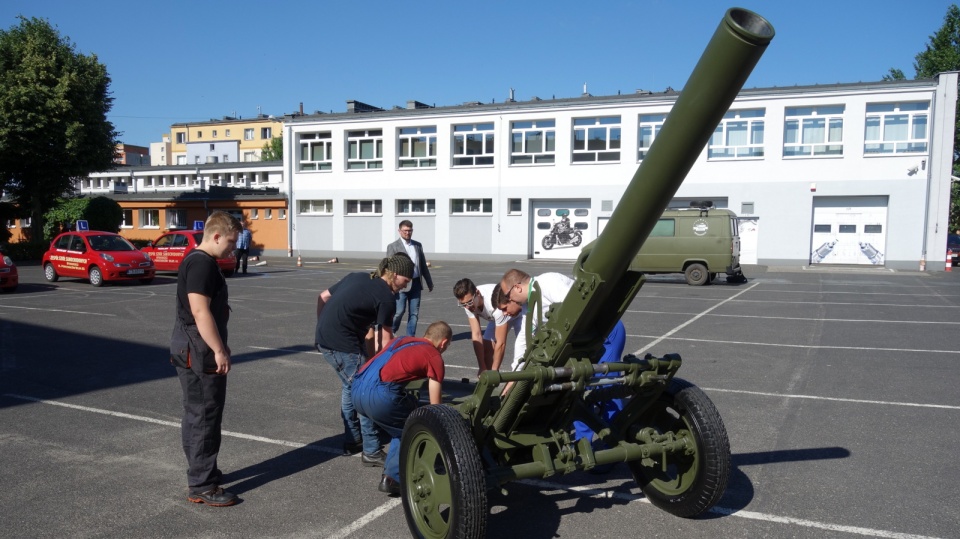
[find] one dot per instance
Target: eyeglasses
(468, 304)
(406, 230)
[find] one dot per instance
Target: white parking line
(54, 310)
(543, 485)
(658, 340)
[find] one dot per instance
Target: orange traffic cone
(299, 262)
(949, 260)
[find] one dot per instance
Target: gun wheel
(442, 478)
(692, 482)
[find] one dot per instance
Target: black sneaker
(375, 459)
(352, 448)
(389, 485)
(216, 497)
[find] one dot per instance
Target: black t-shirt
(199, 274)
(356, 302)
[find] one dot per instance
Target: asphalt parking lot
(838, 388)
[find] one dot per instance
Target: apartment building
(229, 140)
(155, 199)
(826, 174)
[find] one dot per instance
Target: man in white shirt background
(421, 274)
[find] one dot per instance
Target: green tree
(53, 116)
(101, 213)
(272, 150)
(942, 54)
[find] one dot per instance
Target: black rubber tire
(577, 239)
(697, 274)
(50, 273)
(442, 481)
(693, 483)
(547, 242)
(96, 276)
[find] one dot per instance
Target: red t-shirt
(413, 362)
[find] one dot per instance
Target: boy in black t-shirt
(199, 351)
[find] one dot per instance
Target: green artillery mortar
(669, 432)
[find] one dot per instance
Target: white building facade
(827, 174)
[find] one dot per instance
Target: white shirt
(489, 313)
(553, 289)
(412, 252)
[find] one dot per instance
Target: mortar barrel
(723, 68)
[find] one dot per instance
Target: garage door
(546, 214)
(849, 230)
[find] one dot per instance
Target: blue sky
(183, 61)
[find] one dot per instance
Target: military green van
(699, 242)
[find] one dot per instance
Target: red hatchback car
(169, 249)
(9, 278)
(98, 256)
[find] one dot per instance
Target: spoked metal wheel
(96, 276)
(548, 241)
(49, 273)
(693, 481)
(442, 480)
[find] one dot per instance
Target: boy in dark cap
(345, 313)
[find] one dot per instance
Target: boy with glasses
(490, 345)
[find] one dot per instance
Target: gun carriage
(669, 432)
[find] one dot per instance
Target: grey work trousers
(204, 395)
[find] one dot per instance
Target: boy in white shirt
(489, 345)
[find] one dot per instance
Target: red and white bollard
(299, 262)
(949, 261)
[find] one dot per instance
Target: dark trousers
(203, 399)
(242, 255)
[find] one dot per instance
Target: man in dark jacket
(413, 249)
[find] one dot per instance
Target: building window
(364, 207)
(254, 213)
(282, 213)
(324, 207)
(26, 222)
(226, 133)
(176, 219)
(11, 223)
(896, 128)
(473, 145)
(181, 138)
(739, 135)
(214, 133)
(365, 149)
(181, 160)
(648, 130)
(315, 151)
(746, 208)
(416, 206)
(199, 135)
(515, 206)
(268, 213)
(248, 134)
(813, 131)
(127, 221)
(467, 206)
(149, 218)
(417, 147)
(533, 142)
(596, 139)
(249, 157)
(266, 133)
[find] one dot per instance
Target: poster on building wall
(749, 232)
